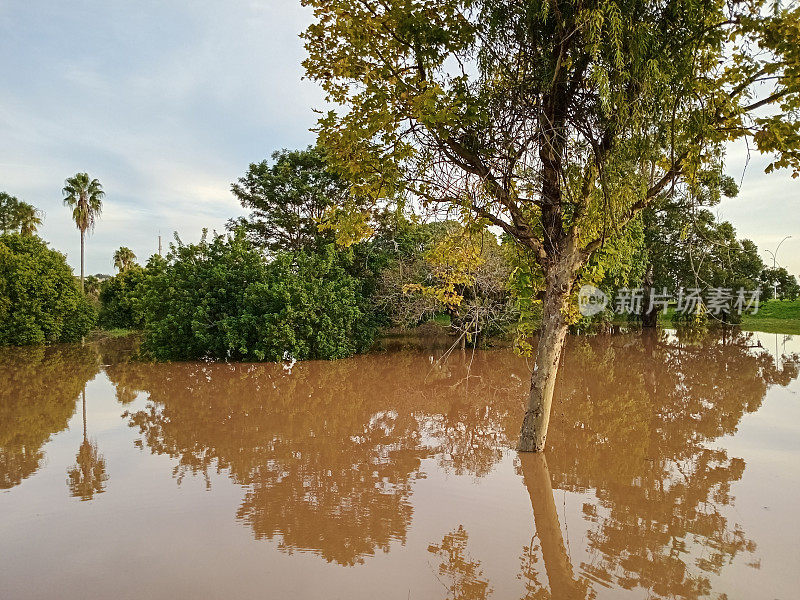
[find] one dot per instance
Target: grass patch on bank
(116, 332)
(442, 319)
(775, 316)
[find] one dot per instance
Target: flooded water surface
(672, 471)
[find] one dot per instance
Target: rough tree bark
(649, 315)
(560, 278)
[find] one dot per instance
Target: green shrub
(39, 299)
(221, 299)
(312, 307)
(121, 299)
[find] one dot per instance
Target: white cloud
(166, 104)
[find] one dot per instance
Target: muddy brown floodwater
(672, 471)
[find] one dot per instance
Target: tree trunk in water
(560, 278)
(536, 478)
(82, 260)
(649, 317)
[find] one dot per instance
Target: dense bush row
(40, 301)
(221, 299)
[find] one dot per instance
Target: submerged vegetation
(221, 299)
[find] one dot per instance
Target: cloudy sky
(167, 102)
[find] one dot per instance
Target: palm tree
(85, 197)
(29, 218)
(8, 212)
(88, 475)
(124, 258)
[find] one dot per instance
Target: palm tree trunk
(84, 412)
(82, 252)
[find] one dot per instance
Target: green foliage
(442, 267)
(121, 299)
(124, 258)
(288, 199)
(693, 250)
(39, 299)
(84, 196)
(220, 299)
(314, 307)
(706, 253)
(8, 205)
(775, 316)
(558, 125)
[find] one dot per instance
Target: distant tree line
(284, 281)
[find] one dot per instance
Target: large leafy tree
(84, 196)
(288, 198)
(686, 248)
(220, 299)
(122, 298)
(554, 122)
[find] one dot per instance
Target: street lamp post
(774, 255)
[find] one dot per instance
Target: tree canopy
(84, 196)
(124, 258)
(122, 299)
(221, 299)
(288, 199)
(787, 287)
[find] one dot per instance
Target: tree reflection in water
(328, 454)
(38, 390)
(88, 475)
(461, 576)
(637, 418)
